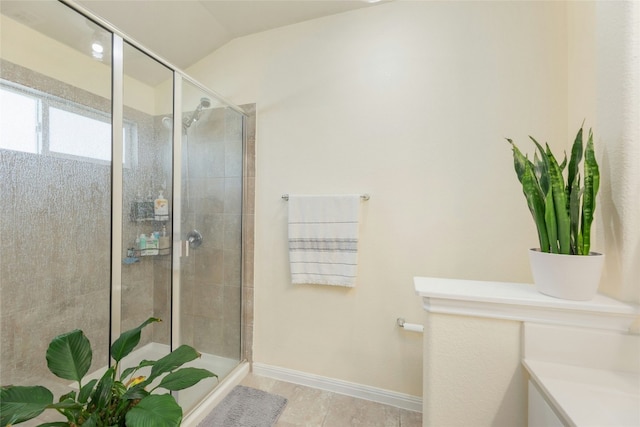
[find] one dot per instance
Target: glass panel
(56, 212)
(211, 203)
(146, 271)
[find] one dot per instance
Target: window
(35, 122)
(19, 124)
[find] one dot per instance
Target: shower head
(204, 103)
(167, 122)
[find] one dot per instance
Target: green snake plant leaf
(564, 163)
(536, 203)
(155, 411)
(69, 356)
(576, 158)
(128, 340)
(519, 160)
(20, 403)
(171, 361)
(574, 216)
(591, 186)
(532, 192)
(184, 378)
(551, 224)
(542, 173)
(560, 204)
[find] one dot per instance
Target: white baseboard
(360, 391)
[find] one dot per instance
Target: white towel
(323, 239)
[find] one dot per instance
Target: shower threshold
(188, 398)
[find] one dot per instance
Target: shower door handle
(194, 239)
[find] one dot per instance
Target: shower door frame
(117, 99)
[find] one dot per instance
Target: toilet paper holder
(409, 326)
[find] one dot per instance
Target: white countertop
(587, 396)
(521, 301)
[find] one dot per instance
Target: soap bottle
(152, 244)
(149, 207)
(161, 208)
(137, 246)
(164, 243)
(138, 208)
(143, 245)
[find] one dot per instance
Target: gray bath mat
(246, 407)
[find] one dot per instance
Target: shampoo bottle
(161, 208)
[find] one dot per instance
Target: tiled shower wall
(55, 231)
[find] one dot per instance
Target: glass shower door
(145, 285)
(55, 193)
(210, 233)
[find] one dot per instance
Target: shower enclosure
(121, 198)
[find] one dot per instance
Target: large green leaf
(66, 404)
(135, 392)
(103, 393)
(86, 390)
(184, 378)
(128, 340)
(171, 361)
(127, 372)
(19, 404)
(69, 355)
(155, 411)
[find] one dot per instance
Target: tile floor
(311, 407)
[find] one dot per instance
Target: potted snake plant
(562, 202)
(117, 399)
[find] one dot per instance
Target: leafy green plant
(114, 400)
(562, 209)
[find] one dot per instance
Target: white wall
(473, 372)
(410, 102)
(617, 91)
(604, 90)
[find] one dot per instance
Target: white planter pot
(572, 277)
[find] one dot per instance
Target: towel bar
(364, 197)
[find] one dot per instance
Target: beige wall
(410, 102)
